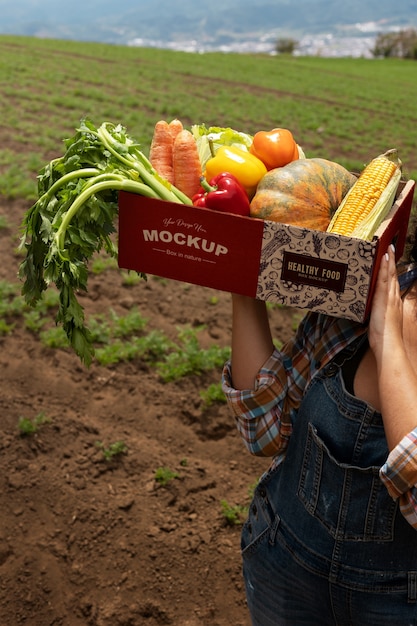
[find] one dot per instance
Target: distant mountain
(214, 24)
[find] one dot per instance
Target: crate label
(300, 268)
(218, 250)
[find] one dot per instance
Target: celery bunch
(75, 214)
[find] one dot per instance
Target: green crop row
(347, 110)
(118, 338)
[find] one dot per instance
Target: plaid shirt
(264, 415)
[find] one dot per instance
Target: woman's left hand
(391, 335)
(386, 321)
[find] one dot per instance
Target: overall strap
(408, 277)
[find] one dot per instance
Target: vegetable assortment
(265, 176)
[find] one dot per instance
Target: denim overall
(324, 544)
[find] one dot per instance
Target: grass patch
(117, 338)
(188, 358)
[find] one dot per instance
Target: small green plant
(54, 337)
(271, 306)
(101, 264)
(34, 321)
(131, 278)
(29, 426)
(150, 347)
(233, 514)
(164, 475)
(278, 343)
(212, 395)
(189, 358)
(11, 302)
(5, 328)
(115, 449)
(252, 487)
(3, 222)
(295, 321)
(37, 319)
(125, 325)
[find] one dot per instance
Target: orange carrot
(186, 162)
(175, 126)
(161, 150)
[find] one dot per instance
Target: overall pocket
(261, 524)
(351, 502)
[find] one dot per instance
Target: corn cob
(369, 200)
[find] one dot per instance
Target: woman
(331, 533)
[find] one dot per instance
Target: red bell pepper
(223, 193)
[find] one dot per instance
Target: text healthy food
(262, 176)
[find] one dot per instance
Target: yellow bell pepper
(247, 168)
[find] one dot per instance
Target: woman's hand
(386, 321)
(389, 327)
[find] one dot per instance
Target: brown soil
(90, 542)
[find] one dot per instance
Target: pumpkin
(304, 193)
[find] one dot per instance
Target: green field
(348, 110)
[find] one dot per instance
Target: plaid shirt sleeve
(399, 474)
(264, 415)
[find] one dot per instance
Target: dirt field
(90, 542)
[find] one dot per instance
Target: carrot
(161, 151)
(175, 126)
(186, 162)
